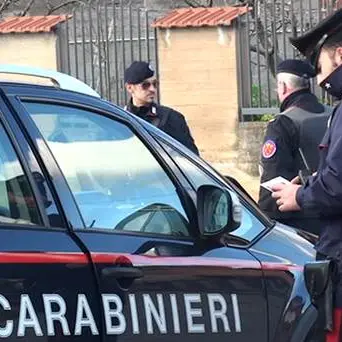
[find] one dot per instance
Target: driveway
(250, 183)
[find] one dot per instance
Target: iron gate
(263, 43)
(101, 39)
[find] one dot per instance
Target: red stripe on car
(137, 260)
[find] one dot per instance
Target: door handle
(120, 272)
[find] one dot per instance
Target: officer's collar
(149, 110)
(333, 83)
(292, 98)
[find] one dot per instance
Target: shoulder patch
(269, 148)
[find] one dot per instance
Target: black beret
(310, 43)
(137, 72)
(296, 67)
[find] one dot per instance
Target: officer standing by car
(292, 138)
(323, 192)
(141, 84)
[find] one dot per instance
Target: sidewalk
(250, 183)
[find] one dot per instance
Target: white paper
(277, 180)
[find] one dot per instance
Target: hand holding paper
(274, 181)
(285, 196)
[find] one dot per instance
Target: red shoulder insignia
(269, 148)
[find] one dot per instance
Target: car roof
(58, 79)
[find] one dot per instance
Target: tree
(51, 8)
(41, 7)
(207, 3)
(270, 20)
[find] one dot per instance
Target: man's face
(328, 61)
(282, 90)
(279, 90)
(144, 92)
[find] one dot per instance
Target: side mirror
(218, 210)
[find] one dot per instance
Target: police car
(110, 230)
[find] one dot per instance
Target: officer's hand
(285, 195)
(295, 180)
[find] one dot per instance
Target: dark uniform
(301, 125)
(323, 192)
(167, 119)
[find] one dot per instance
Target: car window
(250, 226)
(116, 181)
(17, 202)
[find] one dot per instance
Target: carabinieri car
(110, 230)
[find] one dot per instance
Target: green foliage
(266, 117)
(256, 95)
(260, 100)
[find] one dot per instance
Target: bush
(265, 117)
(256, 94)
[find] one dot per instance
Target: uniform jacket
(323, 194)
(168, 120)
(280, 156)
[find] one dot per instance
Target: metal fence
(263, 43)
(101, 39)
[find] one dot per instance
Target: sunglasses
(147, 84)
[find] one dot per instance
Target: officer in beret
(292, 138)
(323, 192)
(142, 85)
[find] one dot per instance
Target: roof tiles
(197, 17)
(31, 23)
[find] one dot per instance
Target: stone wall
(250, 139)
(197, 70)
(34, 49)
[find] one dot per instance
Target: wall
(250, 139)
(35, 49)
(198, 77)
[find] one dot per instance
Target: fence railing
(101, 39)
(263, 42)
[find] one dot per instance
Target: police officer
(323, 192)
(292, 138)
(141, 84)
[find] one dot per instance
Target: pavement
(250, 183)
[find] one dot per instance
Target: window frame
(27, 160)
(113, 113)
(217, 177)
(246, 202)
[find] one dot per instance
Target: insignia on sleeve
(269, 148)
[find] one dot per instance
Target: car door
(47, 283)
(137, 212)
